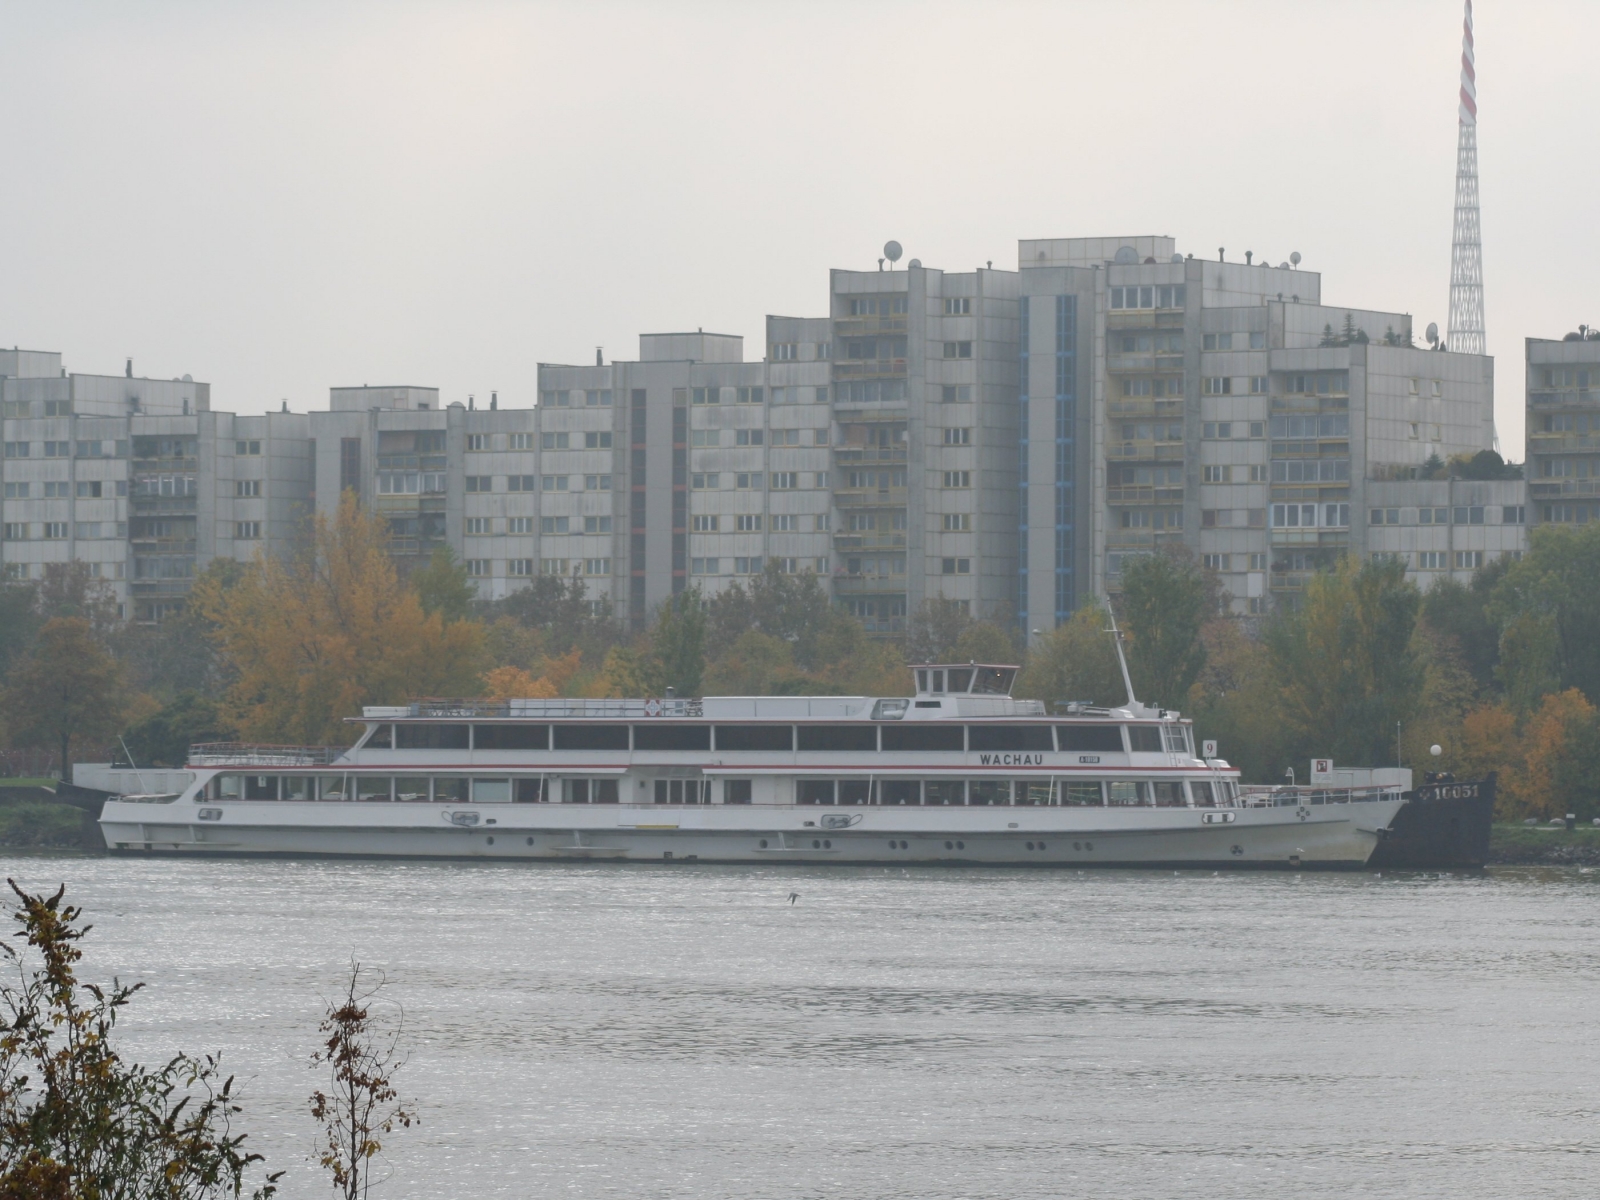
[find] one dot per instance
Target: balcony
(869, 585)
(846, 327)
(852, 456)
(871, 368)
(870, 498)
(1146, 406)
(147, 506)
(1562, 443)
(1548, 488)
(1124, 452)
(1548, 399)
(1144, 495)
(844, 543)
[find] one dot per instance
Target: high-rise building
(1563, 427)
(139, 479)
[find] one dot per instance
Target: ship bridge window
(495, 791)
(530, 790)
(295, 787)
(1009, 737)
(1089, 737)
(511, 737)
(1168, 794)
(382, 739)
(839, 737)
(431, 737)
(736, 791)
(227, 787)
(260, 787)
(589, 791)
(814, 791)
(960, 680)
(1145, 738)
(755, 737)
(672, 737)
(411, 788)
(1204, 796)
(993, 681)
(1124, 793)
(370, 787)
(923, 737)
(591, 737)
(451, 789)
(1177, 739)
(683, 791)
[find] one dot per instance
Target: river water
(588, 1031)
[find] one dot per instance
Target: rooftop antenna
(891, 251)
(1466, 245)
(1122, 661)
(1433, 334)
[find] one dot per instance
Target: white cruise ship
(959, 773)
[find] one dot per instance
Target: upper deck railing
(1254, 795)
(255, 754)
(558, 707)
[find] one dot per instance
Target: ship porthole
(1030, 845)
(763, 843)
(530, 841)
(893, 845)
(816, 845)
(949, 845)
(826, 844)
(491, 839)
(905, 845)
(1088, 845)
(1077, 845)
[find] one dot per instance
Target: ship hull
(1444, 826)
(1334, 836)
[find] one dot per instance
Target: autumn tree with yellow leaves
(314, 637)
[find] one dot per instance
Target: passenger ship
(959, 773)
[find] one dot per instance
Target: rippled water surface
(581, 1030)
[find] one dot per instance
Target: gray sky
(279, 198)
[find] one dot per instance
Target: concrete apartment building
(1563, 427)
(140, 479)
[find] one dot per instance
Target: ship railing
(1281, 796)
(252, 754)
(557, 707)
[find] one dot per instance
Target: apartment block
(1563, 427)
(140, 479)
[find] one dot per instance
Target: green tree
(179, 654)
(67, 688)
(1557, 583)
(1166, 599)
(678, 642)
(558, 609)
(934, 628)
(443, 586)
(757, 664)
(76, 1119)
(1459, 612)
(1345, 664)
(18, 622)
(791, 607)
(1074, 661)
(163, 738)
(984, 641)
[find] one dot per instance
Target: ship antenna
(1122, 661)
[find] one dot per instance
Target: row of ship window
(858, 737)
(889, 793)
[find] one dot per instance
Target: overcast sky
(280, 198)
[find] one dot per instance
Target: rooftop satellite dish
(1295, 258)
(1126, 255)
(892, 251)
(1177, 258)
(915, 262)
(1283, 266)
(1433, 333)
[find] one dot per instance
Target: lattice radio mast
(1466, 334)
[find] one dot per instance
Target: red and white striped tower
(1466, 334)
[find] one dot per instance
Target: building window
(597, 566)
(478, 568)
(1335, 516)
(480, 483)
(522, 441)
(597, 524)
(519, 566)
(553, 525)
(957, 522)
(1433, 516)
(957, 306)
(1430, 560)
(785, 480)
(701, 481)
(747, 479)
(18, 449)
(597, 441)
(749, 523)
(960, 393)
(597, 483)
(552, 483)
(519, 525)
(55, 530)
(247, 449)
(553, 566)
(1469, 560)
(1384, 516)
(958, 437)
(247, 531)
(58, 449)
(822, 565)
(88, 529)
(241, 487)
(958, 349)
(748, 437)
(16, 491)
(785, 351)
(958, 479)
(1514, 514)
(1258, 341)
(706, 395)
(1217, 341)
(747, 566)
(1294, 516)
(479, 526)
(597, 398)
(57, 491)
(705, 566)
(554, 441)
(705, 524)
(955, 566)
(749, 395)
(478, 441)
(520, 483)
(1217, 474)
(1216, 562)
(1218, 385)
(1258, 385)
(16, 531)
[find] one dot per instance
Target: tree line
(1502, 672)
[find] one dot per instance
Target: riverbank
(34, 817)
(1544, 845)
